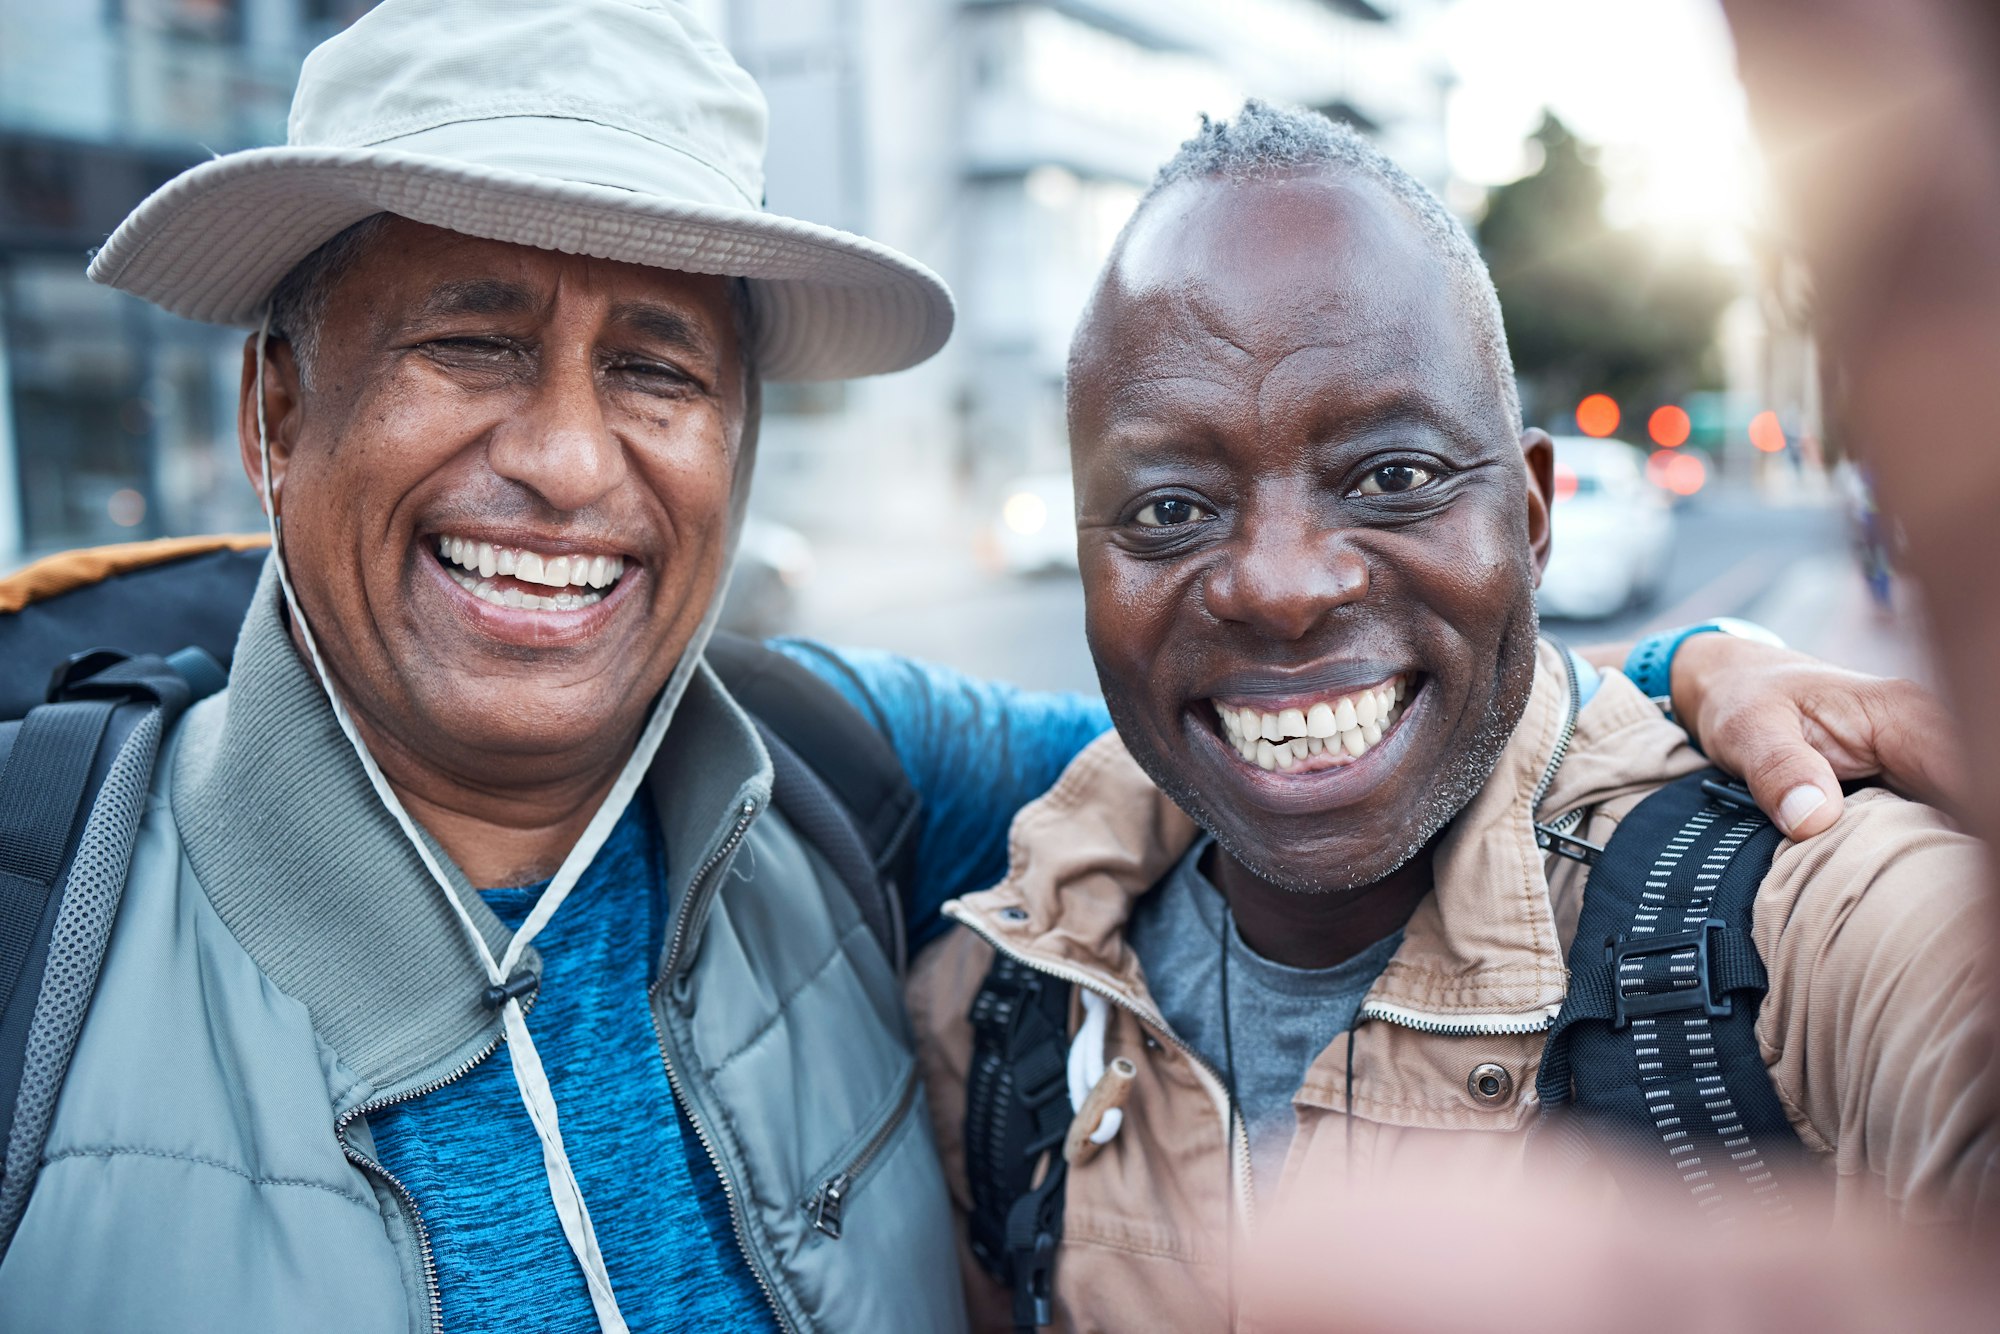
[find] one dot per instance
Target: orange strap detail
(58, 574)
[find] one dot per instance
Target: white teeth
(1281, 740)
(484, 590)
(560, 572)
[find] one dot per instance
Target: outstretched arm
(977, 751)
(1795, 728)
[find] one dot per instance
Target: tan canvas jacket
(1874, 934)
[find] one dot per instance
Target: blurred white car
(1036, 527)
(1612, 531)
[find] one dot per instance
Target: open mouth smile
(1308, 735)
(517, 578)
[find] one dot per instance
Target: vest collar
(318, 884)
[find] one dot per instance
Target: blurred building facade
(1003, 142)
(117, 421)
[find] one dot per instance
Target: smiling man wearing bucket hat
(513, 293)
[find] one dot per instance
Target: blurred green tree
(1590, 307)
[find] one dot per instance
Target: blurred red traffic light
(1682, 474)
(1597, 415)
(1565, 481)
(1767, 432)
(1669, 426)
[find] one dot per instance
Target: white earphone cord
(529, 1076)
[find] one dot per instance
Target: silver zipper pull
(826, 1204)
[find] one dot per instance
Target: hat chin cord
(529, 1076)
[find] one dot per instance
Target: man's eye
(1395, 478)
(1171, 514)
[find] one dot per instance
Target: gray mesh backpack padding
(91, 894)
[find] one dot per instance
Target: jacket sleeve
(1879, 938)
(976, 751)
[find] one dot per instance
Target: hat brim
(212, 243)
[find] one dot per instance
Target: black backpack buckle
(1697, 994)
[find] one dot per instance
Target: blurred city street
(1789, 568)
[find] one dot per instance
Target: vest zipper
(1239, 1144)
(826, 1203)
(409, 1201)
(699, 889)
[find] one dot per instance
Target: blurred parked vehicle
(1613, 531)
(1036, 528)
(773, 562)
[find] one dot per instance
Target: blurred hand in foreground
(1421, 1254)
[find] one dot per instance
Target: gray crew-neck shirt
(1281, 1018)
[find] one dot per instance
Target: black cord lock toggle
(516, 988)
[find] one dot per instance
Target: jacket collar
(1482, 950)
(316, 881)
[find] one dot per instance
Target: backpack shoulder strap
(1654, 1052)
(73, 779)
(837, 779)
(1016, 1113)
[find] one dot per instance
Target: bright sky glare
(1653, 82)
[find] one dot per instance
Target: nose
(1284, 572)
(561, 445)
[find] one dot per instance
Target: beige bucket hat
(614, 128)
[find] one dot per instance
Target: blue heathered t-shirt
(469, 1154)
(975, 751)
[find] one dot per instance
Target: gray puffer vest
(280, 966)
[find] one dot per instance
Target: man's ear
(282, 404)
(1539, 452)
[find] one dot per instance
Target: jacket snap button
(1013, 914)
(1490, 1085)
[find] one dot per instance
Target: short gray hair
(1267, 140)
(299, 302)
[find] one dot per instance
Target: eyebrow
(475, 296)
(662, 324)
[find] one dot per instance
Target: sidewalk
(1821, 606)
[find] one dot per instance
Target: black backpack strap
(838, 781)
(1016, 1114)
(73, 778)
(1654, 1053)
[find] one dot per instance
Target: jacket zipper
(1427, 1023)
(1239, 1144)
(409, 1201)
(825, 1204)
(698, 891)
